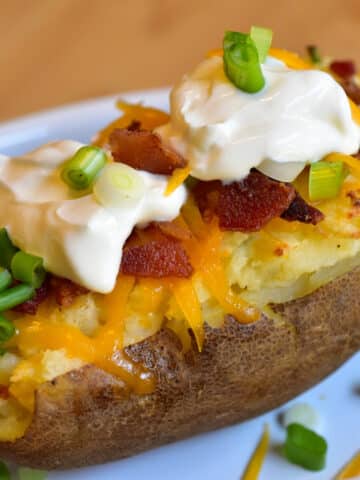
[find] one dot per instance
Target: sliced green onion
(305, 447)
(325, 179)
(28, 269)
(5, 279)
(241, 62)
(262, 38)
(7, 329)
(314, 54)
(119, 185)
(15, 296)
(7, 249)
(191, 182)
(81, 170)
(4, 472)
(304, 414)
(25, 473)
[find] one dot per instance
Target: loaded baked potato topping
(245, 196)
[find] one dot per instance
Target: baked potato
(244, 300)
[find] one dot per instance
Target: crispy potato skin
(84, 417)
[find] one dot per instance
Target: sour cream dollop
(78, 238)
(299, 117)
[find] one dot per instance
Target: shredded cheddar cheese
(176, 179)
(352, 162)
(189, 304)
(291, 59)
(254, 466)
(351, 469)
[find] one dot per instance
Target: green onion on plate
(5, 279)
(326, 179)
(4, 472)
(28, 269)
(241, 62)
(7, 329)
(119, 185)
(7, 249)
(14, 296)
(262, 38)
(81, 169)
(305, 447)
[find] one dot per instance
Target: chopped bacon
(31, 306)
(4, 392)
(352, 90)
(354, 196)
(206, 195)
(65, 291)
(343, 68)
(157, 259)
(134, 125)
(248, 205)
(301, 211)
(144, 150)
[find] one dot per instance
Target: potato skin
(84, 417)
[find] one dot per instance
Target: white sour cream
(299, 117)
(78, 238)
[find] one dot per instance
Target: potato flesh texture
(84, 417)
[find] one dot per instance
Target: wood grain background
(57, 51)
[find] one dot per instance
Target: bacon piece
(343, 68)
(157, 259)
(65, 291)
(134, 125)
(248, 205)
(302, 212)
(206, 195)
(31, 306)
(4, 392)
(352, 90)
(144, 150)
(354, 196)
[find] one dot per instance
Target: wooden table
(57, 51)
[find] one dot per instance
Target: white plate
(217, 455)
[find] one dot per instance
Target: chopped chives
(7, 329)
(262, 38)
(326, 179)
(81, 170)
(4, 472)
(14, 296)
(28, 269)
(119, 185)
(305, 447)
(314, 54)
(7, 249)
(241, 62)
(5, 279)
(191, 182)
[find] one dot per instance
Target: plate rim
(83, 104)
